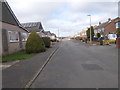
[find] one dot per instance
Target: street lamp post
(58, 32)
(90, 29)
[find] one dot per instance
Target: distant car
(95, 39)
(103, 40)
(112, 38)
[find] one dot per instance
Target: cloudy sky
(67, 16)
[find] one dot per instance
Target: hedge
(46, 41)
(34, 43)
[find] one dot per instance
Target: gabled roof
(103, 25)
(108, 22)
(47, 32)
(8, 16)
(33, 26)
(53, 34)
(116, 19)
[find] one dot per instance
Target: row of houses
(38, 28)
(108, 27)
(14, 34)
(104, 28)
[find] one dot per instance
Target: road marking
(29, 84)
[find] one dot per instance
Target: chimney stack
(99, 23)
(109, 19)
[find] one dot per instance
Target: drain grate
(91, 67)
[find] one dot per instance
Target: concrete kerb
(29, 84)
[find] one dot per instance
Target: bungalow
(34, 26)
(107, 27)
(47, 33)
(12, 33)
(53, 37)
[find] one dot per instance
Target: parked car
(95, 39)
(112, 38)
(103, 40)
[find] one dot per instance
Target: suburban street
(79, 65)
(59, 44)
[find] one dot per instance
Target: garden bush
(34, 43)
(46, 41)
(98, 35)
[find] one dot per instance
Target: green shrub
(98, 35)
(80, 38)
(46, 41)
(118, 32)
(83, 40)
(86, 40)
(34, 43)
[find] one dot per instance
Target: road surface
(79, 65)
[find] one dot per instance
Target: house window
(118, 25)
(13, 36)
(102, 30)
(24, 36)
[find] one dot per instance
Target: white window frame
(25, 36)
(117, 24)
(11, 38)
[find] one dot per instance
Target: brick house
(13, 35)
(107, 27)
(34, 26)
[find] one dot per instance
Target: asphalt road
(79, 65)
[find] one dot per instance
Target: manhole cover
(91, 67)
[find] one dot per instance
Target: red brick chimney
(99, 23)
(109, 19)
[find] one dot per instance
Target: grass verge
(21, 55)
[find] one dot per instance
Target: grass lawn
(17, 56)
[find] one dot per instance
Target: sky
(67, 16)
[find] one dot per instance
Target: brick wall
(110, 28)
(14, 47)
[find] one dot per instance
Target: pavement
(80, 65)
(18, 74)
(8, 64)
(11, 63)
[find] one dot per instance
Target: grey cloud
(69, 17)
